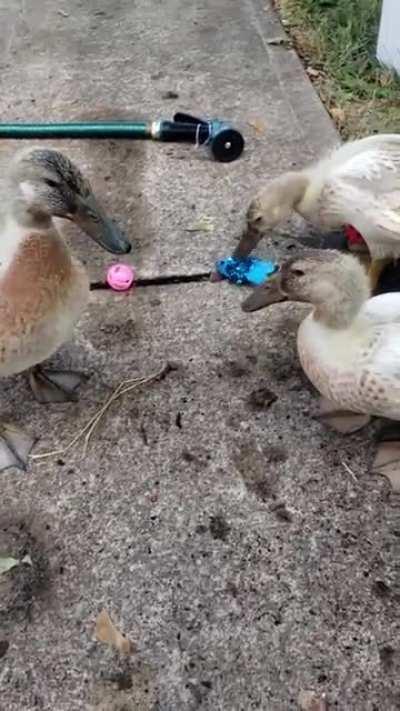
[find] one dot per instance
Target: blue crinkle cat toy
(249, 271)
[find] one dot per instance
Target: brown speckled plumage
(43, 289)
(42, 295)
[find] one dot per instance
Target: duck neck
(16, 208)
(295, 185)
(341, 309)
(17, 225)
(28, 218)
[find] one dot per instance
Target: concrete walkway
(243, 549)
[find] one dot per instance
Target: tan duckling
(43, 288)
(348, 345)
(358, 185)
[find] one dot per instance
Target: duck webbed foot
(49, 386)
(338, 419)
(387, 459)
(15, 446)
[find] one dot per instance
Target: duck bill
(92, 219)
(248, 241)
(265, 295)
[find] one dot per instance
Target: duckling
(357, 185)
(43, 288)
(348, 345)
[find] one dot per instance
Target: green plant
(339, 37)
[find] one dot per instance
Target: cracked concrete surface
(245, 550)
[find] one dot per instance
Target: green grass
(338, 39)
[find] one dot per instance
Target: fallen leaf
(279, 41)
(314, 73)
(258, 125)
(203, 225)
(310, 701)
(7, 564)
(107, 632)
(338, 115)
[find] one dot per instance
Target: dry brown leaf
(338, 115)
(107, 632)
(313, 73)
(258, 125)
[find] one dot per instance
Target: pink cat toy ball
(120, 277)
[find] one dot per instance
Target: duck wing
(382, 356)
(381, 350)
(377, 372)
(366, 191)
(382, 309)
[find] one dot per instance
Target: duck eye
(297, 272)
(51, 183)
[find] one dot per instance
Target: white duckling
(358, 184)
(348, 345)
(43, 289)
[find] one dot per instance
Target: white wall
(389, 35)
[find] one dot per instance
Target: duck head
(335, 283)
(47, 184)
(270, 207)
